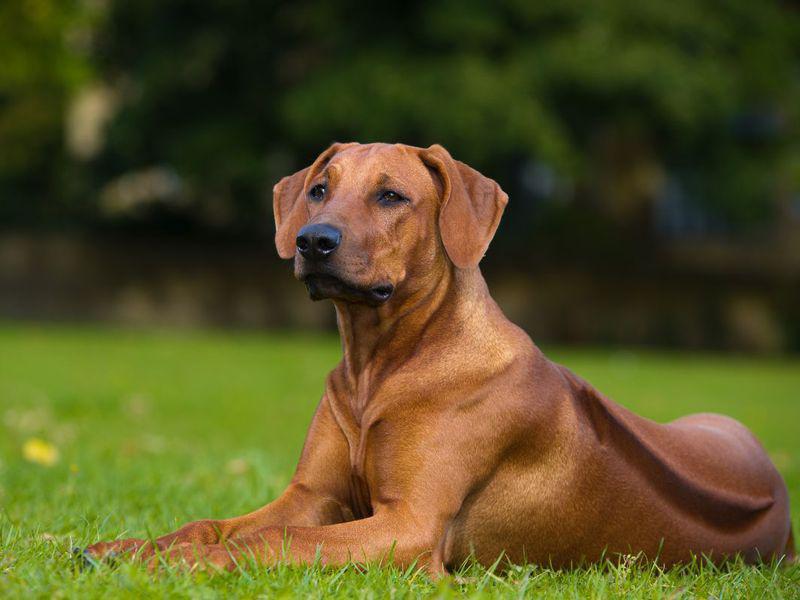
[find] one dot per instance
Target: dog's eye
(390, 197)
(317, 192)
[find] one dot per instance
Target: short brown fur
(445, 432)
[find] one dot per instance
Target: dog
(444, 433)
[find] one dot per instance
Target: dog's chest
(356, 435)
(360, 497)
(362, 426)
(359, 486)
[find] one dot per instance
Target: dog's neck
(376, 341)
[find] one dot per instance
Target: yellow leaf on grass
(39, 451)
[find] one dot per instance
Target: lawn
(107, 433)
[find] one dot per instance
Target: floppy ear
(471, 207)
(291, 211)
(289, 204)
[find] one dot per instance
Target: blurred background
(159, 363)
(650, 151)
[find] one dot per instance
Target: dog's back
(712, 477)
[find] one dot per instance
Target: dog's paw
(83, 558)
(107, 552)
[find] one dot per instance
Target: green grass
(156, 429)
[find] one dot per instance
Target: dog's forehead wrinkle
(375, 149)
(374, 160)
(333, 170)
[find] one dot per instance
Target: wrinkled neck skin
(378, 341)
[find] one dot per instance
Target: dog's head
(365, 222)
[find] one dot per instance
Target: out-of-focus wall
(690, 303)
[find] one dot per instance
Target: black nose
(317, 242)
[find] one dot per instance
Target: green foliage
(156, 429)
(44, 50)
(231, 95)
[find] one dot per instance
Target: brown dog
(444, 431)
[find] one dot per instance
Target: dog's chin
(322, 286)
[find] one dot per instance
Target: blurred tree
(44, 48)
(577, 105)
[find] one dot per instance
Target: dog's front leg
(318, 495)
(389, 535)
(296, 506)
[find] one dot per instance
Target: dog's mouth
(323, 285)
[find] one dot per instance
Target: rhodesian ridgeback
(444, 432)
